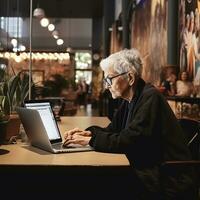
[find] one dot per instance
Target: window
(12, 25)
(83, 66)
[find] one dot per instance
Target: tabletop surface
(24, 154)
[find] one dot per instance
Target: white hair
(123, 61)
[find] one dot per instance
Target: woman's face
(119, 86)
(184, 76)
(191, 25)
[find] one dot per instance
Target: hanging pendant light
(60, 41)
(44, 22)
(51, 27)
(38, 13)
(55, 34)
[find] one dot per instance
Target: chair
(191, 129)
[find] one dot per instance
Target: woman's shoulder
(150, 91)
(179, 82)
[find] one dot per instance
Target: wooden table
(181, 100)
(39, 168)
(191, 100)
(23, 154)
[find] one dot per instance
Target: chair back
(191, 129)
(186, 172)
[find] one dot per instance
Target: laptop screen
(48, 119)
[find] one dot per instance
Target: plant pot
(13, 126)
(3, 127)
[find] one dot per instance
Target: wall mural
(189, 39)
(149, 36)
(116, 37)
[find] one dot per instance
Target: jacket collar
(139, 88)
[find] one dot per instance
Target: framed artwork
(149, 35)
(37, 76)
(189, 38)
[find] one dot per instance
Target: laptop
(41, 128)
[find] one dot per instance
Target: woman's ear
(131, 76)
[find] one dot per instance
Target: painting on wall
(189, 39)
(149, 36)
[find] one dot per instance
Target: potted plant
(4, 117)
(13, 91)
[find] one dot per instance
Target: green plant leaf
(12, 87)
(24, 87)
(5, 88)
(4, 108)
(15, 89)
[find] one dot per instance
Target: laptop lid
(47, 117)
(34, 128)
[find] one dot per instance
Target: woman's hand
(77, 136)
(68, 134)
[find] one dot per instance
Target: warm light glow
(44, 22)
(7, 55)
(38, 12)
(55, 34)
(36, 56)
(51, 27)
(22, 48)
(18, 59)
(59, 41)
(14, 42)
(15, 49)
(69, 49)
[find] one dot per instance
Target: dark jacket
(147, 131)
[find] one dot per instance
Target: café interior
(53, 49)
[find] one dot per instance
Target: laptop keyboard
(60, 146)
(57, 146)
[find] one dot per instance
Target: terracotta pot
(13, 126)
(3, 126)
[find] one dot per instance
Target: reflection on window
(12, 25)
(83, 60)
(84, 75)
(83, 66)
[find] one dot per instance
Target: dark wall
(108, 18)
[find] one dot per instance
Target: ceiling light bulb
(14, 42)
(59, 41)
(51, 27)
(15, 49)
(55, 34)
(38, 12)
(69, 49)
(44, 22)
(22, 48)
(18, 59)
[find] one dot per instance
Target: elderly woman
(144, 128)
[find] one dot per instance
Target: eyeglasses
(108, 80)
